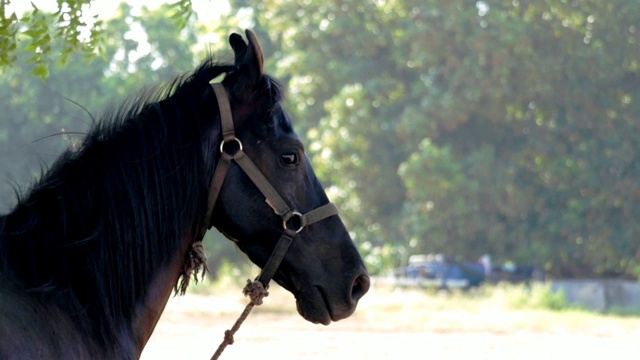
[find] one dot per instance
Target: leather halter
(293, 221)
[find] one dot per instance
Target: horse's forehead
(284, 121)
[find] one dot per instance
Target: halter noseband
(293, 221)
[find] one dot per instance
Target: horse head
(322, 267)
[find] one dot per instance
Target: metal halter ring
(300, 221)
(234, 139)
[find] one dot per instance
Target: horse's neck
(150, 308)
(97, 304)
(36, 329)
(132, 334)
(129, 334)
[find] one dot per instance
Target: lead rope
(256, 293)
(257, 289)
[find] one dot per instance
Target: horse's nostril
(360, 287)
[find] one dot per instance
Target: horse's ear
(238, 45)
(254, 51)
(248, 56)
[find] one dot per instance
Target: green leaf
(41, 71)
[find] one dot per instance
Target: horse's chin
(314, 304)
(311, 302)
(314, 311)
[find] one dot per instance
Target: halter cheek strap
(293, 221)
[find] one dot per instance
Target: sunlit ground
(394, 324)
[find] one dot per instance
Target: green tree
(69, 27)
(501, 127)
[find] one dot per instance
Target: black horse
(91, 254)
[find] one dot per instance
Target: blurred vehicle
(439, 271)
(436, 270)
(513, 273)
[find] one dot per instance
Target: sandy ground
(193, 326)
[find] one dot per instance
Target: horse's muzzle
(359, 287)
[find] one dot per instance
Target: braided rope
(256, 292)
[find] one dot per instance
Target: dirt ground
(193, 326)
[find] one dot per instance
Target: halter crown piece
(293, 222)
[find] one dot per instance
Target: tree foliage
(500, 127)
(70, 27)
(469, 127)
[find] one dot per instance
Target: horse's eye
(289, 158)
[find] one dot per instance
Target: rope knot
(195, 265)
(255, 291)
(228, 337)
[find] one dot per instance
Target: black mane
(105, 216)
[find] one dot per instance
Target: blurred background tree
(73, 28)
(472, 127)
